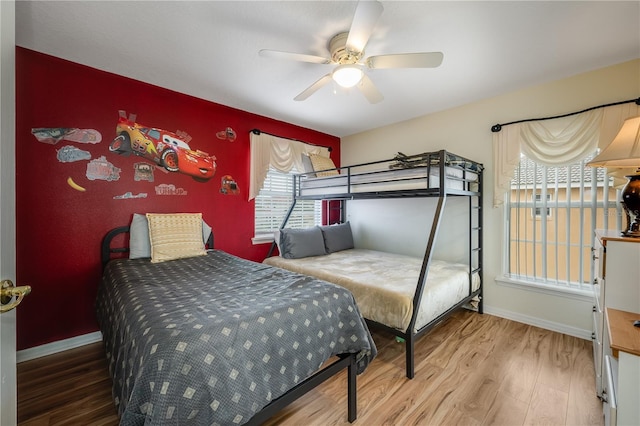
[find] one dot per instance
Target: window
(273, 202)
(536, 212)
(153, 133)
(577, 200)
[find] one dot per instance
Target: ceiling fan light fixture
(347, 75)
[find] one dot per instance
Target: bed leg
(481, 305)
(351, 391)
(409, 356)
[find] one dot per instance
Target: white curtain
(283, 154)
(554, 142)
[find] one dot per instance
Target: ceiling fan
(347, 53)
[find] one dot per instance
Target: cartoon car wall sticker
(128, 195)
(164, 148)
(228, 185)
(227, 134)
(54, 135)
(101, 168)
(69, 154)
(143, 171)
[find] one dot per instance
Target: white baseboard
(538, 322)
(59, 346)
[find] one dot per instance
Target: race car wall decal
(143, 171)
(101, 168)
(128, 195)
(70, 154)
(166, 149)
(227, 134)
(228, 185)
(54, 135)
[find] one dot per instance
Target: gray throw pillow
(337, 237)
(297, 243)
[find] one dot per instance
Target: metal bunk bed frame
(440, 158)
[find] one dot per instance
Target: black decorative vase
(631, 202)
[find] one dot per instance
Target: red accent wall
(59, 229)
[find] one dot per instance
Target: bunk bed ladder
(475, 246)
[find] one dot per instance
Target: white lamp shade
(624, 150)
(347, 75)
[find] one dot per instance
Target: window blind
(273, 203)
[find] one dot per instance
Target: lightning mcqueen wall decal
(164, 148)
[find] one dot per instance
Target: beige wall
(466, 131)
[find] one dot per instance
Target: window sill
(262, 239)
(571, 293)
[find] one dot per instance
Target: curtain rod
(258, 131)
(497, 127)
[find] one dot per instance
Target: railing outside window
(555, 248)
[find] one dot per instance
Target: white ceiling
(209, 49)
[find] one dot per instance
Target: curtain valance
(556, 142)
(280, 153)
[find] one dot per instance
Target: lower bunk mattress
(384, 284)
(213, 339)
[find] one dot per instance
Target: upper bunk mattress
(384, 284)
(387, 180)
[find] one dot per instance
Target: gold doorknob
(8, 291)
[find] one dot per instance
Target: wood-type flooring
(470, 370)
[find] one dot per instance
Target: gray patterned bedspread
(213, 339)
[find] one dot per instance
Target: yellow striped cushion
(323, 163)
(175, 236)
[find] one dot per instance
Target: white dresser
(622, 369)
(617, 286)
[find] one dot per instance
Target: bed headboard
(107, 252)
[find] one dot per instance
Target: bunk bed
(403, 295)
(216, 339)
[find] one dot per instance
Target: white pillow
(139, 243)
(276, 237)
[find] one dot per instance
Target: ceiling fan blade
(369, 90)
(406, 60)
(313, 88)
(293, 56)
(364, 19)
